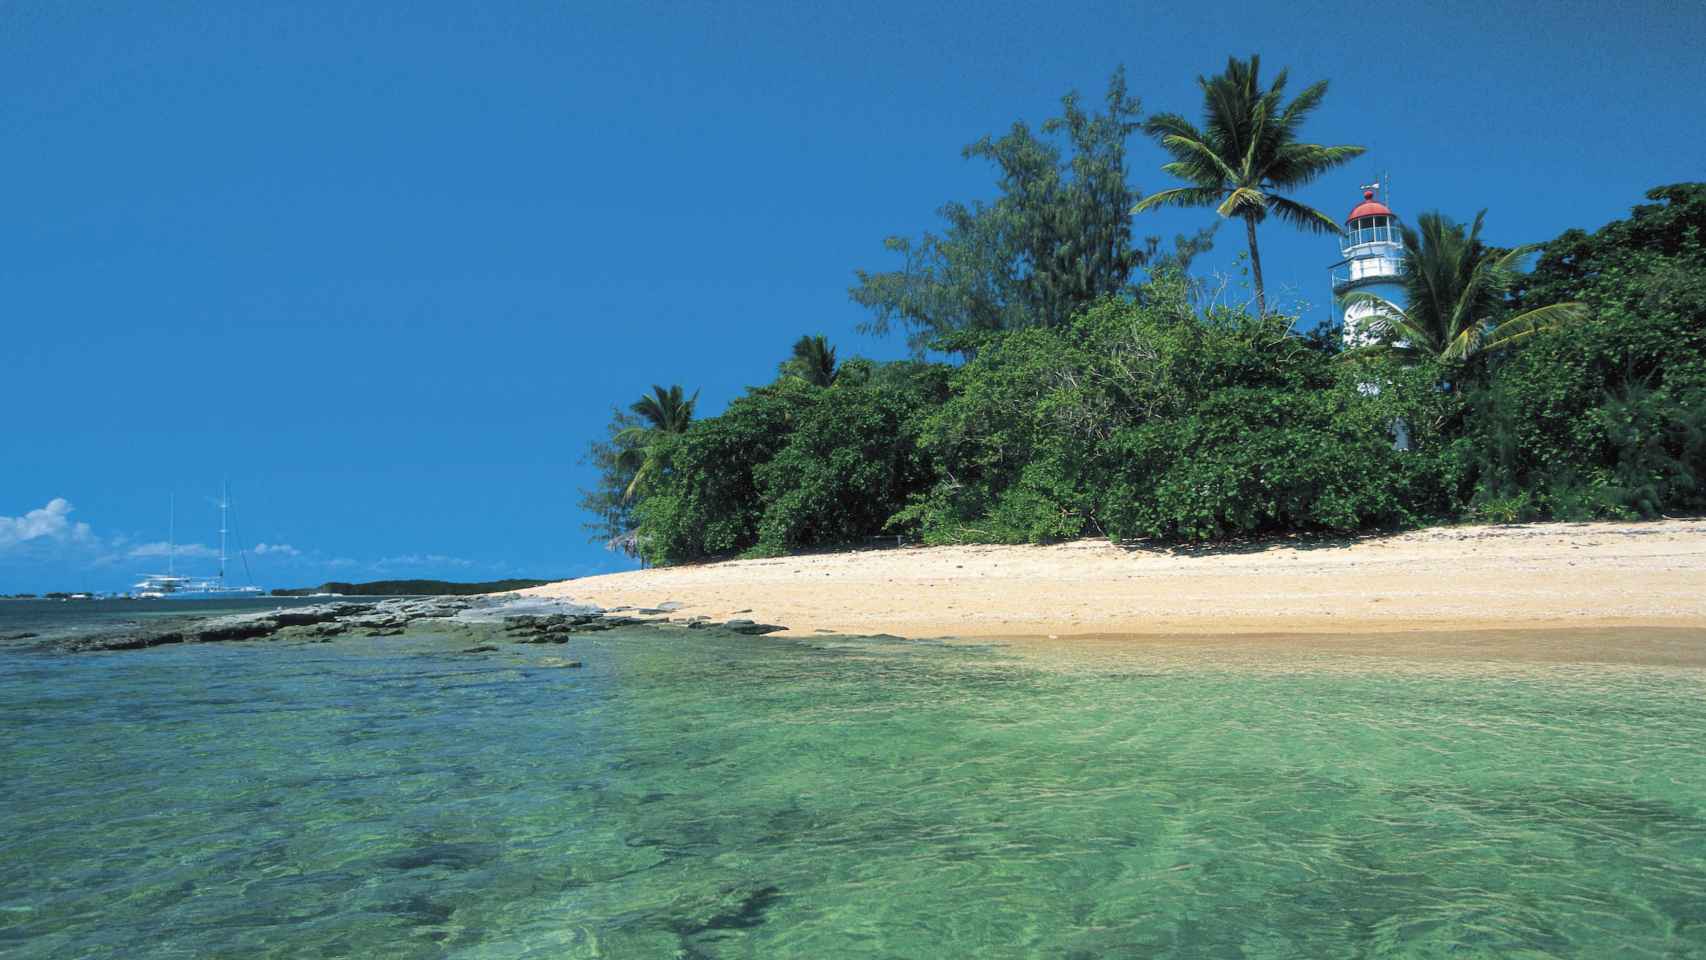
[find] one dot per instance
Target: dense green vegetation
(1606, 417)
(410, 588)
(1094, 389)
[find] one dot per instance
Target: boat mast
(171, 531)
(224, 501)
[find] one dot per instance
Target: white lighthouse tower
(1373, 249)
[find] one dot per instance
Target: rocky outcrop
(480, 618)
(318, 621)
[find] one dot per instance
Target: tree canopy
(1056, 239)
(1247, 151)
(812, 360)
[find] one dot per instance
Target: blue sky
(387, 266)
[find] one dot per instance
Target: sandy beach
(1590, 576)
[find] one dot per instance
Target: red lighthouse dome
(1369, 207)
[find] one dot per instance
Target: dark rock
(25, 635)
(301, 617)
(751, 629)
(242, 626)
(482, 648)
(122, 641)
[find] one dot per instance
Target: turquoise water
(687, 795)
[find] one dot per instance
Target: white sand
(1538, 576)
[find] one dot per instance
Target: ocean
(693, 794)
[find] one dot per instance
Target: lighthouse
(1373, 263)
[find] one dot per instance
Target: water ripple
(703, 796)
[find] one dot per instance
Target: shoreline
(1505, 578)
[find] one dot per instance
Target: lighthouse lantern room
(1373, 249)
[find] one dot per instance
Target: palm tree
(813, 361)
(1246, 153)
(664, 412)
(1455, 287)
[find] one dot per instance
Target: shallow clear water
(699, 796)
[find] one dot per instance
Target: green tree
(615, 458)
(666, 411)
(663, 413)
(1246, 153)
(1456, 290)
(1605, 417)
(813, 361)
(1056, 239)
(703, 500)
(849, 465)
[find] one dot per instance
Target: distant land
(410, 588)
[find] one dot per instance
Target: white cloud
(422, 560)
(276, 549)
(51, 523)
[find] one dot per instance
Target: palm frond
(1298, 164)
(1465, 343)
(1404, 330)
(1201, 151)
(1473, 293)
(1531, 322)
(1244, 201)
(1170, 124)
(1303, 217)
(1179, 197)
(1509, 259)
(646, 469)
(1303, 104)
(1356, 297)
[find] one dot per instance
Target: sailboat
(169, 584)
